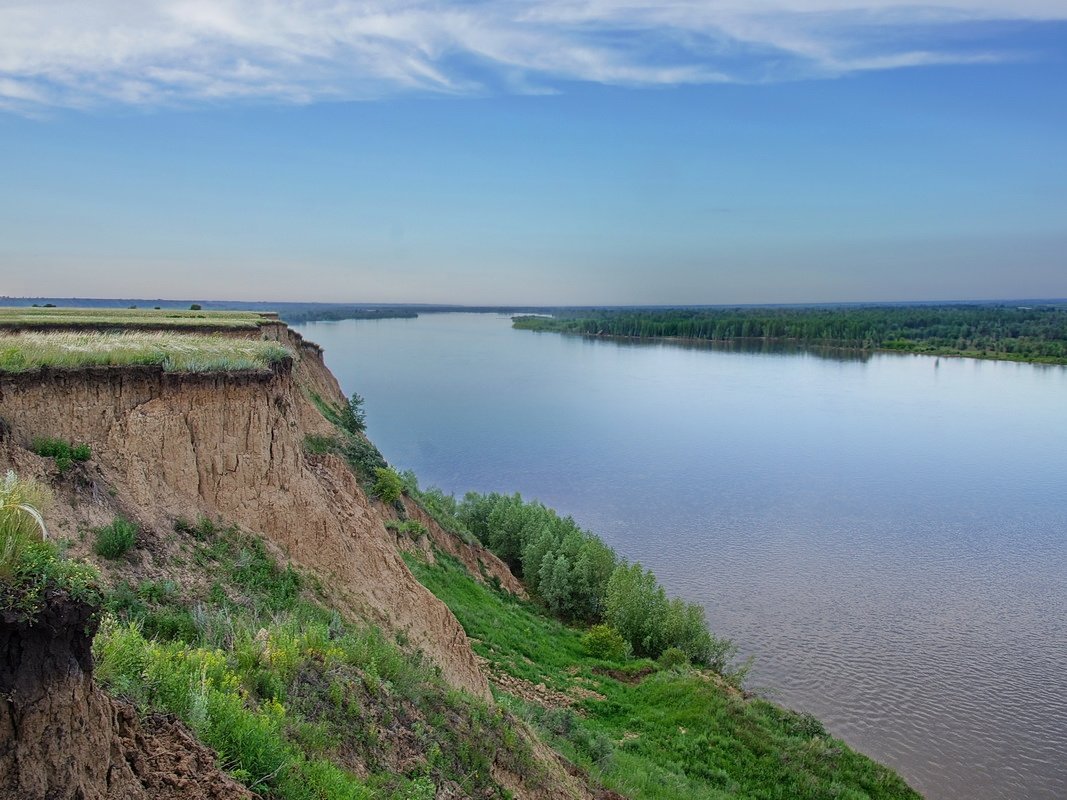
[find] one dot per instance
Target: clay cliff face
(62, 738)
(231, 447)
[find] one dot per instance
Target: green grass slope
(646, 731)
(299, 704)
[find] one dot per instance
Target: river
(887, 535)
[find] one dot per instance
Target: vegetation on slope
(174, 352)
(297, 702)
(1037, 334)
(645, 729)
(579, 578)
(30, 565)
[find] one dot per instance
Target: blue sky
(551, 152)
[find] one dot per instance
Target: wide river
(888, 535)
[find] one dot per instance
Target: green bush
(388, 486)
(673, 657)
(603, 641)
(116, 539)
(64, 453)
(567, 567)
(362, 456)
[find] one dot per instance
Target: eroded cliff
(231, 447)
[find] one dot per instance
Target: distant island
(1034, 333)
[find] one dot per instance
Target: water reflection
(749, 346)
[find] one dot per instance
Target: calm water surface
(888, 536)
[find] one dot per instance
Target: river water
(888, 535)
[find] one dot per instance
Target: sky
(555, 152)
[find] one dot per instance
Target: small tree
(636, 606)
(195, 307)
(352, 416)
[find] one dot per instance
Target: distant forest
(1018, 333)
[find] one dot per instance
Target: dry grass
(174, 352)
(128, 317)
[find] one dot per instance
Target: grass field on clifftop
(143, 318)
(174, 352)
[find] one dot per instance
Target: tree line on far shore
(1024, 333)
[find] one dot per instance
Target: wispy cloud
(72, 53)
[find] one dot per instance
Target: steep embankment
(61, 736)
(231, 446)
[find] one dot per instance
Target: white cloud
(162, 52)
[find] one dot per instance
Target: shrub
(116, 539)
(603, 641)
(566, 566)
(636, 606)
(673, 657)
(64, 453)
(363, 457)
(195, 307)
(388, 486)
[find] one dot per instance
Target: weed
(408, 527)
(276, 683)
(321, 445)
(202, 530)
(116, 539)
(665, 734)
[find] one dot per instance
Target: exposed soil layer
(62, 737)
